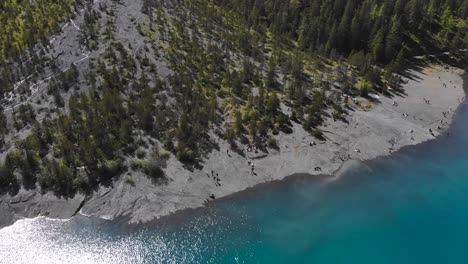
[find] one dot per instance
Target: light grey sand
(377, 131)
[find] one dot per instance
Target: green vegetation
(24, 23)
(382, 29)
(25, 28)
(242, 70)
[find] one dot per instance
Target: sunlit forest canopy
(23, 23)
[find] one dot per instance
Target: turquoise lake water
(411, 207)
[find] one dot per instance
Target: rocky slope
(188, 111)
(379, 130)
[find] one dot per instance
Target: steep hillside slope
(146, 94)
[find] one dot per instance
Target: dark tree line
(384, 29)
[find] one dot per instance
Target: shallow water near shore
(411, 207)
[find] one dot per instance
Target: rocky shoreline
(376, 126)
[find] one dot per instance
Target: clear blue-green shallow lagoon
(411, 207)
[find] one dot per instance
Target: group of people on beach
(251, 148)
(343, 158)
(216, 178)
(445, 85)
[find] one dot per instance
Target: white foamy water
(44, 241)
(82, 240)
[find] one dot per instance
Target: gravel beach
(375, 127)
